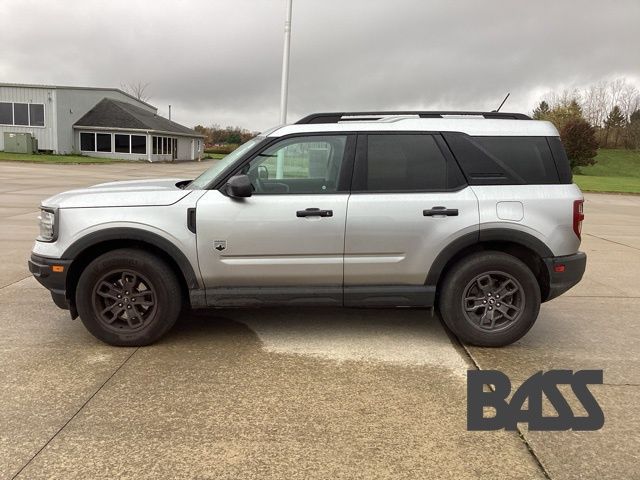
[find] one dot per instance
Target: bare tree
(595, 103)
(137, 89)
(629, 100)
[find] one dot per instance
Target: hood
(135, 193)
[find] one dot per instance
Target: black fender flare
(136, 234)
(486, 235)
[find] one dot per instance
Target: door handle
(314, 212)
(444, 211)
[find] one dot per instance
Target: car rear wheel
(490, 299)
(128, 297)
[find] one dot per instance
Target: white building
(100, 122)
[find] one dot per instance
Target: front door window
(300, 165)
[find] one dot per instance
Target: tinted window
(87, 142)
(36, 115)
(155, 145)
(6, 113)
(165, 146)
(405, 162)
(138, 144)
(299, 165)
(21, 114)
(121, 143)
(103, 142)
(528, 157)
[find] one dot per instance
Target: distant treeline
(224, 139)
(611, 108)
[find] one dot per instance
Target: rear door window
(404, 162)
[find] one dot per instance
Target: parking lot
(302, 393)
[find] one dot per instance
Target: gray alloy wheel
(124, 301)
(493, 301)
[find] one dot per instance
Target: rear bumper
(55, 281)
(564, 273)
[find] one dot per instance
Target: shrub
(221, 149)
(579, 139)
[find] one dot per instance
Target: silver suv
(471, 212)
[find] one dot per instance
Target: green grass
(616, 171)
(214, 156)
(50, 158)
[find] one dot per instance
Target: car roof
(475, 126)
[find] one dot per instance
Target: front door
(285, 243)
(408, 202)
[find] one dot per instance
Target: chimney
(169, 112)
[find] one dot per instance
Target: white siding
(74, 103)
(47, 96)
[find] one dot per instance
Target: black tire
(128, 298)
(468, 298)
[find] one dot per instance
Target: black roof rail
(335, 117)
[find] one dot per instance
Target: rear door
(409, 201)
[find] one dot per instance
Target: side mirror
(239, 186)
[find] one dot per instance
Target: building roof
(112, 114)
(68, 87)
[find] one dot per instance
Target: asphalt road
(302, 393)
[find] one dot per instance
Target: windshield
(212, 173)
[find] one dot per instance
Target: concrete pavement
(301, 393)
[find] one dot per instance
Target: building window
(164, 145)
(6, 113)
(103, 142)
(36, 115)
(87, 142)
(22, 114)
(122, 143)
(138, 144)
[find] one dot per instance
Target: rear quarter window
(529, 157)
(503, 160)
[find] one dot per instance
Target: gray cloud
(219, 61)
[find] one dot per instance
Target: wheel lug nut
(119, 304)
(119, 296)
(128, 306)
(498, 304)
(484, 301)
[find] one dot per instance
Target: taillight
(578, 217)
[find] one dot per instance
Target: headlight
(47, 220)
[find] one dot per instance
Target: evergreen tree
(614, 123)
(633, 130)
(541, 112)
(579, 139)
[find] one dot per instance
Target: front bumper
(54, 279)
(564, 273)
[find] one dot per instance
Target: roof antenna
(505, 99)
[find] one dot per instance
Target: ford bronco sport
(473, 213)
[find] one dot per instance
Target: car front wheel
(128, 297)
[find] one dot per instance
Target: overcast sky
(219, 61)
